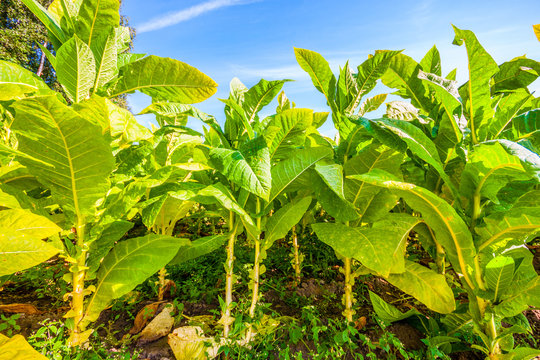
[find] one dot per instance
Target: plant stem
(348, 296)
(441, 266)
(297, 273)
(256, 268)
(226, 318)
(78, 277)
(492, 332)
(477, 209)
(162, 275)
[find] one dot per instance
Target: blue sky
(253, 39)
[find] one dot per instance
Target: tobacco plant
(354, 204)
(472, 192)
(257, 159)
(69, 151)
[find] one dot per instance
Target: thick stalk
(226, 318)
(256, 267)
(256, 275)
(162, 272)
(297, 273)
(348, 296)
(441, 264)
(78, 276)
(162, 279)
(491, 329)
(477, 209)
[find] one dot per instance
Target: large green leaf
(328, 183)
(164, 79)
(163, 214)
(286, 131)
(525, 126)
(512, 226)
(523, 298)
(286, 171)
(104, 240)
(401, 225)
(524, 353)
(431, 62)
(489, 169)
(18, 348)
(249, 169)
(19, 251)
(368, 74)
(283, 220)
(119, 122)
(371, 201)
(127, 265)
(217, 193)
(515, 74)
(28, 224)
(508, 107)
(426, 286)
(119, 203)
(46, 18)
(16, 81)
(347, 89)
(450, 230)
(476, 92)
(498, 274)
(402, 74)
(451, 124)
(369, 246)
(97, 18)
(372, 104)
(259, 96)
(81, 158)
(67, 9)
(106, 55)
(388, 312)
(76, 69)
(419, 144)
(319, 71)
(198, 248)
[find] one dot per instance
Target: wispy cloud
(187, 14)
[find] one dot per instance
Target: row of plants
(455, 169)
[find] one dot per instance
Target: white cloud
(187, 14)
(292, 71)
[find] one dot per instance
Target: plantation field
(411, 235)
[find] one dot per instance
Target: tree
(20, 33)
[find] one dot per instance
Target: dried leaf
(143, 316)
(360, 323)
(20, 309)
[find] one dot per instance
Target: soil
(113, 326)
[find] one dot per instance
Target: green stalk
(491, 329)
(297, 271)
(226, 317)
(348, 296)
(255, 280)
(78, 277)
(256, 267)
(162, 278)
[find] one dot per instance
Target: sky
(254, 39)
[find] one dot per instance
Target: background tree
(20, 33)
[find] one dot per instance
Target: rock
(160, 326)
